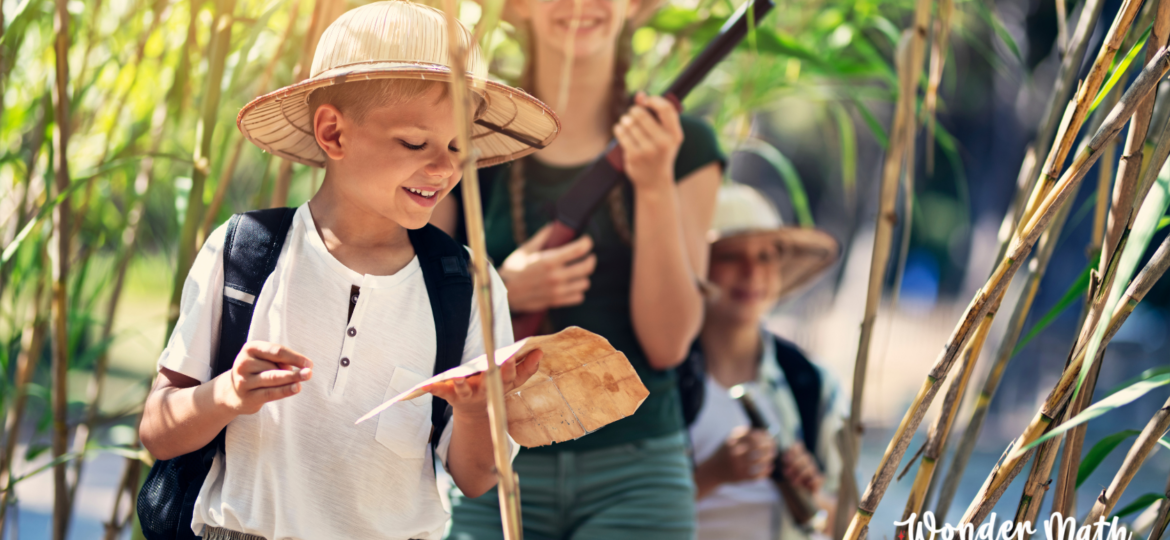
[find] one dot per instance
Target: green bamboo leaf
(1141, 503)
(1117, 400)
(1100, 451)
(848, 138)
(1145, 376)
(1165, 441)
(875, 127)
(1120, 69)
(1163, 222)
(788, 173)
(1075, 292)
(992, 19)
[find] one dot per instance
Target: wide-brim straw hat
(741, 210)
(396, 39)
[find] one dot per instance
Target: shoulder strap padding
(444, 264)
(250, 250)
(805, 382)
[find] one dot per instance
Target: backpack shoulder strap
(691, 376)
(250, 250)
(805, 382)
(444, 266)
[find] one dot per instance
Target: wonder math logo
(1057, 527)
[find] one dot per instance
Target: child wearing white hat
(347, 314)
(755, 262)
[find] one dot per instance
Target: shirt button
(353, 299)
(352, 331)
(345, 362)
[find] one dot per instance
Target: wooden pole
(459, 47)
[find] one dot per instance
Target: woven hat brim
(512, 124)
(807, 252)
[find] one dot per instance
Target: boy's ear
(327, 129)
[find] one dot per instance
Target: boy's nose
(443, 166)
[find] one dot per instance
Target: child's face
(397, 162)
(746, 269)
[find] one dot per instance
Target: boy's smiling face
(397, 160)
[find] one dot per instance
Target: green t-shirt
(606, 309)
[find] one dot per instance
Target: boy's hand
(263, 372)
(801, 469)
(468, 395)
(748, 454)
(649, 144)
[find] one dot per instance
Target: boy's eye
(413, 146)
(453, 149)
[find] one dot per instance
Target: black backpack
(802, 376)
(254, 239)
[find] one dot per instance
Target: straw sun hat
(396, 39)
(740, 210)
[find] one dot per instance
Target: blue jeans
(642, 490)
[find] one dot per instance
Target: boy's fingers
(276, 353)
(277, 377)
(273, 393)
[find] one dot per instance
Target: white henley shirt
(300, 469)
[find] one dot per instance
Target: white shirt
(754, 510)
(300, 469)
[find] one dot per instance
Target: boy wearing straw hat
(344, 319)
(755, 262)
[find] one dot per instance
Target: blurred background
(154, 161)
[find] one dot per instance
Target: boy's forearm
(470, 458)
(178, 421)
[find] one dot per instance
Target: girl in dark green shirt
(632, 277)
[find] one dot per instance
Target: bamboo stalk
(938, 59)
(1133, 295)
(1035, 274)
(910, 58)
(1141, 449)
(458, 51)
(994, 287)
(62, 227)
(1036, 487)
(32, 345)
(1070, 66)
(1120, 223)
(1061, 25)
(225, 177)
(221, 33)
(1163, 516)
(1130, 166)
(941, 427)
(1076, 111)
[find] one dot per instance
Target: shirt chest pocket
(405, 428)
